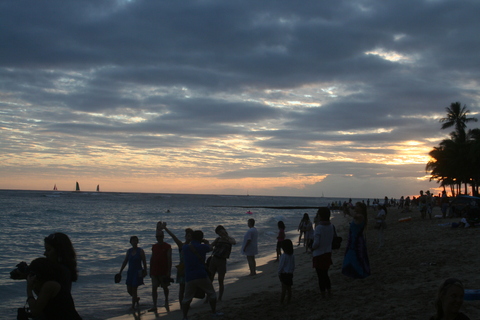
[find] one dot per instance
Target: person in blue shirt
(196, 275)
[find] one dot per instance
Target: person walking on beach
(355, 263)
(280, 237)
(135, 257)
(286, 266)
(422, 204)
(196, 275)
(381, 224)
(250, 246)
(444, 203)
(429, 202)
(160, 269)
(222, 247)
(302, 228)
(181, 265)
(308, 235)
(322, 250)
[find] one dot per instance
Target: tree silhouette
(457, 116)
(456, 161)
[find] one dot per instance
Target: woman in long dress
(355, 262)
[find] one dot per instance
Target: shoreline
(238, 284)
(417, 257)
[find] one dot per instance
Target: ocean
(100, 225)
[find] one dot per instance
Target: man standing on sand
(196, 275)
(160, 269)
(250, 246)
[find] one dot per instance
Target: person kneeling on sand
(196, 275)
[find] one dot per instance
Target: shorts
(203, 283)
(286, 278)
(218, 265)
(160, 281)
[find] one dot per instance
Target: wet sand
(417, 257)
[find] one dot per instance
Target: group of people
(193, 274)
(319, 241)
(356, 264)
(49, 279)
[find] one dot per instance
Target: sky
(287, 98)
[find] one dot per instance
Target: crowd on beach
(49, 279)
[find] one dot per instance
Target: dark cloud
(246, 79)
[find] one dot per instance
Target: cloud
(234, 90)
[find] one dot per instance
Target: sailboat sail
(98, 188)
(77, 188)
(55, 188)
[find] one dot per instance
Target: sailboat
(98, 188)
(55, 187)
(77, 188)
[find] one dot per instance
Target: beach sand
(417, 257)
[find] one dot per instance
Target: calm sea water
(100, 225)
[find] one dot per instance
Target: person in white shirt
(322, 250)
(250, 246)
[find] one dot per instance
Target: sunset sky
(276, 97)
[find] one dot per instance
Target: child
(285, 270)
(308, 236)
(280, 237)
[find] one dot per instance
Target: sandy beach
(417, 257)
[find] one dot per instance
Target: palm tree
(456, 161)
(457, 116)
(448, 164)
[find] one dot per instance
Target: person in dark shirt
(222, 247)
(53, 301)
(59, 251)
(196, 275)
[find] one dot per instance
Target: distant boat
(98, 188)
(55, 188)
(77, 188)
